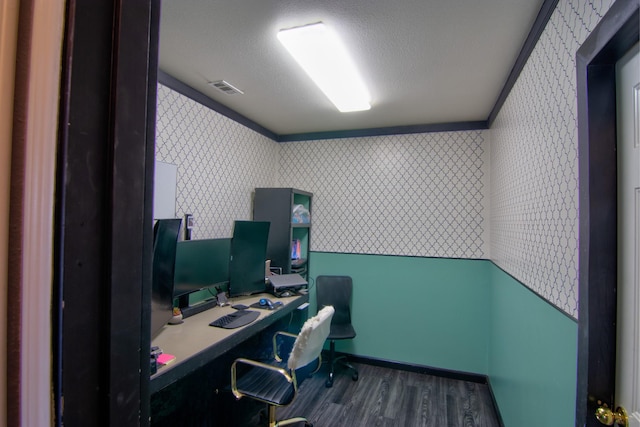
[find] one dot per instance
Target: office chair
(272, 383)
(336, 291)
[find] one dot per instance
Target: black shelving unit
(276, 206)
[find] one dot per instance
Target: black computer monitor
(248, 256)
(165, 237)
(201, 264)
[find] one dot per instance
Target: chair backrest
(335, 291)
(310, 340)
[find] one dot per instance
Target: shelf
(276, 205)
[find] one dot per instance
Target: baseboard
(495, 403)
(420, 369)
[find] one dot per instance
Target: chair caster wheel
(354, 377)
(328, 384)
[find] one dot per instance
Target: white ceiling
(425, 61)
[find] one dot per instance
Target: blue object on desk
(267, 304)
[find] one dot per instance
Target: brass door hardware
(607, 417)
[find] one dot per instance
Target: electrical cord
(312, 283)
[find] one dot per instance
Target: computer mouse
(285, 294)
(266, 302)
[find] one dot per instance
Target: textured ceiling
(425, 61)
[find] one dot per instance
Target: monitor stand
(190, 310)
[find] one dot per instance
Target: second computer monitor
(248, 256)
(200, 264)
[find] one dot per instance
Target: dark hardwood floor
(390, 397)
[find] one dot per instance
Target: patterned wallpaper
(417, 194)
(219, 162)
(534, 162)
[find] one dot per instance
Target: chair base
(274, 423)
(342, 360)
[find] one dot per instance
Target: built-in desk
(195, 343)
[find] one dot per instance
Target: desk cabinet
(287, 230)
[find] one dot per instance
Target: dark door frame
(616, 33)
(103, 238)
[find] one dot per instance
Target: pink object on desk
(166, 358)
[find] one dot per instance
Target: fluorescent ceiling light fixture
(321, 54)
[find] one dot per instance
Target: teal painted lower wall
(427, 311)
(532, 356)
(463, 315)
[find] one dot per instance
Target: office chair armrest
(283, 334)
(260, 365)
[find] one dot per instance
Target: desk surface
(194, 343)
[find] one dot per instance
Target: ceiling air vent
(226, 87)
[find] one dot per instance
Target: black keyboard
(236, 319)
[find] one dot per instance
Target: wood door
(616, 33)
(628, 328)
